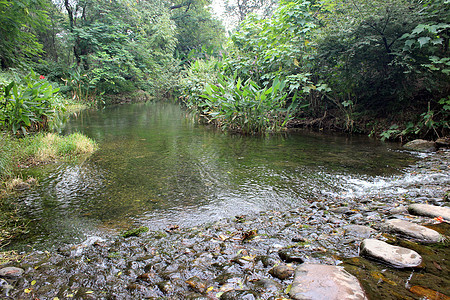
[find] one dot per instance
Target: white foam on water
(356, 187)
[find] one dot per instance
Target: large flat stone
(395, 256)
(430, 211)
(314, 282)
(417, 232)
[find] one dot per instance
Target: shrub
(27, 105)
(196, 78)
(244, 106)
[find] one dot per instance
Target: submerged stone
(196, 284)
(291, 255)
(359, 231)
(315, 281)
(398, 210)
(239, 295)
(426, 293)
(420, 145)
(430, 211)
(414, 231)
(396, 256)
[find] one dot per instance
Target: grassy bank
(17, 154)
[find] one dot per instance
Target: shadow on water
(157, 166)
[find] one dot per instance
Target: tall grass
(41, 148)
(46, 147)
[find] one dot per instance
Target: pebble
(291, 255)
(395, 256)
(398, 210)
(11, 272)
(315, 281)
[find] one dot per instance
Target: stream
(222, 210)
(157, 166)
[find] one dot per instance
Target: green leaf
(419, 29)
(423, 40)
(409, 43)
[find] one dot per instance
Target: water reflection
(156, 166)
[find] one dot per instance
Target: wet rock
(239, 295)
(426, 293)
(414, 231)
(340, 210)
(282, 271)
(420, 145)
(267, 285)
(430, 211)
(443, 142)
(196, 284)
(398, 210)
(79, 249)
(268, 261)
(299, 239)
(291, 255)
(166, 287)
(315, 281)
(5, 287)
(148, 277)
(398, 257)
(355, 218)
(11, 272)
(359, 231)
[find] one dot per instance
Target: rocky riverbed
(261, 256)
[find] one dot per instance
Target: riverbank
(237, 258)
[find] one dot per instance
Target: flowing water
(156, 166)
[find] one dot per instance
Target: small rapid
(415, 180)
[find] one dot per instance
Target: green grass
(41, 148)
(17, 153)
(48, 147)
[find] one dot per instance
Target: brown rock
(282, 271)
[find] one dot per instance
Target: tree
(19, 20)
(121, 45)
(196, 27)
(239, 9)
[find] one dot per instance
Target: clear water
(156, 167)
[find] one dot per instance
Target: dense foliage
(28, 104)
(358, 66)
(96, 48)
(20, 21)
